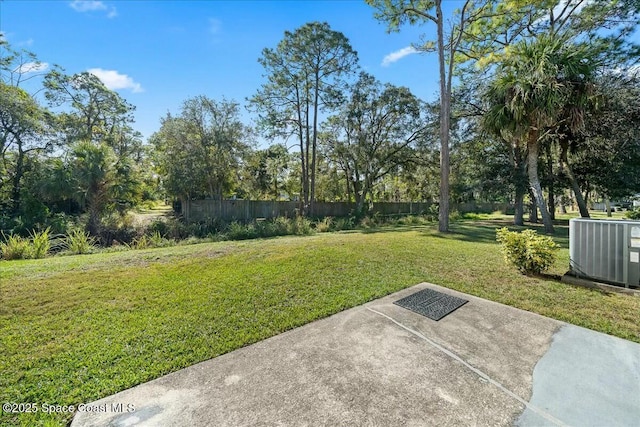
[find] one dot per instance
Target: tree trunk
(586, 193)
(94, 221)
(520, 179)
(306, 156)
(550, 187)
(96, 198)
(276, 194)
(518, 217)
(303, 165)
(533, 207)
(15, 191)
(445, 117)
(563, 208)
(348, 179)
(359, 195)
(582, 205)
(314, 145)
(534, 180)
(607, 204)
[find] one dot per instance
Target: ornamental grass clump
(18, 247)
(528, 251)
(40, 243)
(15, 247)
(78, 242)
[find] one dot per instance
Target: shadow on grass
(392, 228)
(470, 231)
(485, 231)
(475, 231)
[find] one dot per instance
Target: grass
(74, 329)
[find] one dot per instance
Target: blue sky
(156, 54)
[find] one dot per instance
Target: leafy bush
(238, 231)
(367, 222)
(18, 247)
(455, 215)
(60, 223)
(528, 251)
(155, 240)
(79, 242)
(142, 242)
(159, 241)
(160, 226)
(282, 226)
(324, 225)
(634, 214)
(117, 227)
(342, 224)
(431, 213)
(412, 220)
(40, 243)
(15, 247)
(301, 226)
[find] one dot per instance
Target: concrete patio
(380, 364)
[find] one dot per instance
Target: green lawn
(77, 328)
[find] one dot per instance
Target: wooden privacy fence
(246, 210)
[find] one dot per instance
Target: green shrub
(79, 242)
(160, 226)
(301, 226)
(60, 223)
(203, 229)
(431, 213)
(238, 231)
(40, 243)
(117, 227)
(342, 224)
(634, 214)
(282, 226)
(15, 247)
(158, 241)
(455, 215)
(528, 251)
(142, 242)
(412, 220)
(155, 240)
(368, 222)
(324, 225)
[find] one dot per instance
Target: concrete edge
(586, 283)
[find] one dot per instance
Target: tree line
(539, 102)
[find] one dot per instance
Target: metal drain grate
(432, 304)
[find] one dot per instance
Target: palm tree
(537, 90)
(93, 170)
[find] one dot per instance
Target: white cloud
(32, 67)
(114, 80)
(87, 5)
(92, 6)
(398, 55)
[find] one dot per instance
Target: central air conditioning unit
(606, 251)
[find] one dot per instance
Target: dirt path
(145, 216)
